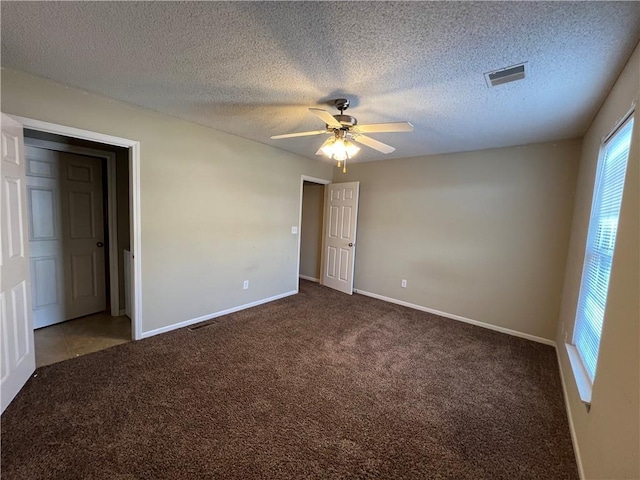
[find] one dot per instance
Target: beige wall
(608, 436)
(482, 235)
(311, 229)
(215, 209)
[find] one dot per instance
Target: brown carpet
(317, 385)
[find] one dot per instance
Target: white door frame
(112, 209)
(321, 181)
(134, 201)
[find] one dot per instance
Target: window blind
(601, 240)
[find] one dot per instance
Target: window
(598, 258)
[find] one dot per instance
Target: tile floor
(80, 336)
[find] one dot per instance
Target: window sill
(583, 382)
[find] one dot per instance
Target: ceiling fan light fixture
(340, 149)
(327, 149)
(352, 149)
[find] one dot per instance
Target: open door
(18, 360)
(65, 212)
(341, 220)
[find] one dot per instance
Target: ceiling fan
(344, 130)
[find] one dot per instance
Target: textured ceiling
(253, 68)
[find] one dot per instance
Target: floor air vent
(506, 75)
(207, 323)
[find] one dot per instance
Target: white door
(83, 237)
(66, 235)
(45, 236)
(341, 219)
(16, 328)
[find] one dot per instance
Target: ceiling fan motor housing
(346, 120)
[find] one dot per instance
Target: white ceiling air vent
(506, 75)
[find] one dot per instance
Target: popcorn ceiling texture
(252, 68)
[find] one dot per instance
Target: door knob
(351, 244)
(100, 244)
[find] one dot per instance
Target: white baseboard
(574, 438)
(209, 316)
(508, 331)
(311, 279)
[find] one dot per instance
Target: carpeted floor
(318, 385)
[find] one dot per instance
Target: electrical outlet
(245, 285)
(404, 283)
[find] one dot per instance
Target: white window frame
(584, 381)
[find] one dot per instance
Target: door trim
(112, 209)
(134, 201)
(321, 181)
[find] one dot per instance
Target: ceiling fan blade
(326, 117)
(320, 152)
(299, 134)
(375, 144)
(386, 127)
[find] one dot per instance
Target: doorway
(312, 197)
(78, 217)
(311, 231)
(328, 224)
(17, 317)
